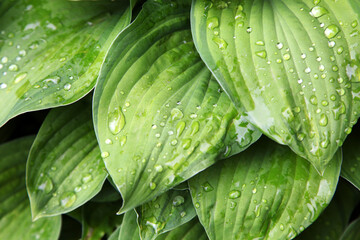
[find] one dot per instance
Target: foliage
(143, 119)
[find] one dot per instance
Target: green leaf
(265, 192)
(296, 74)
(159, 115)
(168, 211)
(350, 168)
(353, 231)
(108, 193)
(15, 214)
(51, 51)
(189, 231)
(99, 219)
(65, 168)
(129, 229)
(333, 221)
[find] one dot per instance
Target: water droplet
(282, 227)
(22, 53)
(108, 141)
(207, 187)
(186, 143)
(4, 59)
(176, 114)
(300, 136)
(158, 168)
(3, 85)
(354, 24)
(195, 126)
(178, 200)
(331, 31)
(212, 22)
(260, 43)
(182, 214)
(303, 55)
(67, 86)
(105, 154)
(340, 91)
(261, 54)
(234, 194)
(307, 70)
(62, 59)
(249, 30)
(180, 126)
(152, 185)
(286, 56)
(323, 120)
(221, 43)
(13, 68)
(123, 140)
(279, 45)
(348, 130)
(197, 204)
(67, 199)
(77, 189)
(318, 11)
(86, 178)
(313, 100)
(46, 184)
(174, 142)
(116, 121)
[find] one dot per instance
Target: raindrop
(152, 185)
(174, 142)
(279, 45)
(67, 199)
(313, 100)
(254, 190)
(207, 187)
(178, 200)
(318, 11)
(3, 85)
(182, 214)
(86, 178)
(234, 194)
(13, 68)
(261, 54)
(221, 43)
(286, 56)
(46, 185)
(186, 143)
(323, 120)
(176, 114)
(158, 168)
(4, 59)
(195, 126)
(331, 31)
(180, 126)
(105, 154)
(108, 141)
(116, 121)
(67, 86)
(212, 22)
(249, 30)
(123, 140)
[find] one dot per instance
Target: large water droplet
(176, 114)
(195, 126)
(212, 22)
(152, 185)
(221, 43)
(67, 199)
(261, 54)
(13, 68)
(46, 184)
(207, 187)
(178, 200)
(186, 143)
(331, 31)
(323, 120)
(86, 178)
(180, 128)
(234, 194)
(116, 121)
(20, 77)
(318, 11)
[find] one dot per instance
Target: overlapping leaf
(51, 51)
(15, 213)
(353, 231)
(266, 192)
(189, 231)
(168, 211)
(293, 66)
(350, 168)
(65, 168)
(160, 117)
(334, 220)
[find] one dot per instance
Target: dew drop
(123, 140)
(234, 194)
(212, 22)
(108, 141)
(105, 154)
(13, 68)
(313, 100)
(323, 120)
(221, 43)
(182, 214)
(86, 178)
(207, 187)
(67, 199)
(318, 11)
(180, 126)
(67, 86)
(287, 56)
(116, 121)
(178, 200)
(158, 168)
(46, 184)
(279, 45)
(176, 114)
(174, 142)
(4, 59)
(186, 143)
(331, 31)
(195, 126)
(3, 85)
(152, 185)
(261, 54)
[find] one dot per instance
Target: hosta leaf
(15, 213)
(353, 231)
(166, 212)
(350, 168)
(99, 219)
(129, 229)
(65, 168)
(160, 117)
(333, 221)
(51, 51)
(189, 231)
(296, 74)
(266, 194)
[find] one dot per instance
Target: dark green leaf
(159, 115)
(352, 232)
(333, 221)
(166, 212)
(192, 230)
(350, 168)
(15, 213)
(51, 51)
(266, 192)
(65, 168)
(296, 74)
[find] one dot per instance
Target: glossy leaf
(192, 230)
(129, 229)
(166, 212)
(15, 214)
(350, 168)
(292, 65)
(353, 231)
(51, 51)
(334, 220)
(160, 117)
(65, 168)
(266, 192)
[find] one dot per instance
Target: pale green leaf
(15, 213)
(65, 168)
(159, 115)
(292, 65)
(51, 51)
(266, 192)
(334, 220)
(166, 212)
